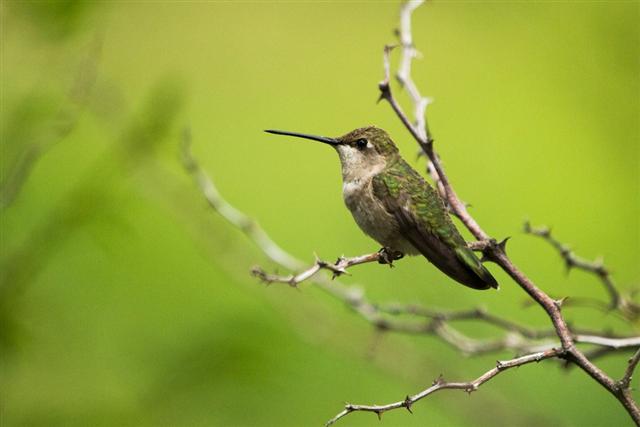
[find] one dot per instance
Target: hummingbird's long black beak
(326, 140)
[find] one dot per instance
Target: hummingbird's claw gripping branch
(441, 384)
(387, 256)
(628, 308)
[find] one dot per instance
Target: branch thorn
(560, 301)
(503, 244)
(407, 404)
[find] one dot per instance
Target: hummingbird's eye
(361, 143)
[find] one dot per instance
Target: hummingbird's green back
(424, 221)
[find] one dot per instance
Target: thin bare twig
(441, 384)
(477, 314)
(571, 260)
(403, 76)
(518, 337)
(625, 382)
(337, 269)
(614, 343)
(404, 71)
(231, 214)
(424, 139)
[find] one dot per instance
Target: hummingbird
(393, 204)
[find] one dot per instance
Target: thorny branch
(403, 76)
(338, 268)
(441, 384)
(404, 72)
(494, 251)
(437, 323)
(479, 314)
(625, 382)
(628, 308)
(537, 345)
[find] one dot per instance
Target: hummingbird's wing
(425, 223)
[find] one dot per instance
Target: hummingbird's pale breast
(373, 218)
(357, 192)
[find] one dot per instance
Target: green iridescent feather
(425, 222)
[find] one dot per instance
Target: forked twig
(571, 260)
(441, 384)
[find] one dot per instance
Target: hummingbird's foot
(388, 255)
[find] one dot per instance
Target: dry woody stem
(618, 302)
(441, 384)
(496, 252)
(558, 342)
(338, 268)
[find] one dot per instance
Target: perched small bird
(394, 205)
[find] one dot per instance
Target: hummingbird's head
(370, 141)
(361, 151)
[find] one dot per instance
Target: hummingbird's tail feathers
(460, 264)
(470, 260)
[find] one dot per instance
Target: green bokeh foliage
(125, 301)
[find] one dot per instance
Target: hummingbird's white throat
(359, 166)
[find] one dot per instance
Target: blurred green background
(126, 301)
